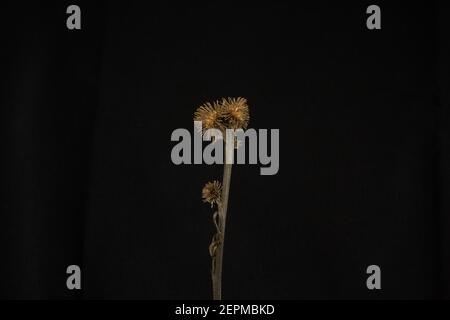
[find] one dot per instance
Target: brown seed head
(235, 113)
(210, 116)
(211, 192)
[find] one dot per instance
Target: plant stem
(218, 261)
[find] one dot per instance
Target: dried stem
(231, 113)
(218, 258)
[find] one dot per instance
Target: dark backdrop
(87, 177)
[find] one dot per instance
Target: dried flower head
(235, 113)
(211, 192)
(230, 113)
(210, 116)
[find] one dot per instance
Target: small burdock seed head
(235, 113)
(211, 192)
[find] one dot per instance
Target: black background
(87, 117)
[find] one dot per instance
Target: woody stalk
(230, 113)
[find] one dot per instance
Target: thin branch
(218, 256)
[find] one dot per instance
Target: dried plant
(210, 116)
(211, 192)
(230, 113)
(234, 112)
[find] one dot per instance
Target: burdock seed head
(229, 113)
(235, 113)
(211, 192)
(210, 116)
